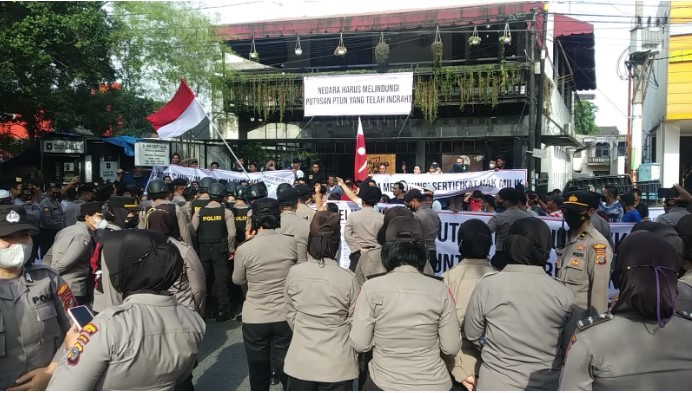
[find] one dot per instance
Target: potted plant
(382, 51)
(437, 47)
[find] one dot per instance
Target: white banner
(355, 95)
(450, 184)
(271, 178)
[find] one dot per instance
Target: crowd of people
(156, 265)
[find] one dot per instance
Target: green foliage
(156, 43)
(48, 52)
(585, 118)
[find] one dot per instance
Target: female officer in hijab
(475, 241)
(319, 296)
(644, 344)
(405, 317)
(33, 308)
(521, 318)
(149, 342)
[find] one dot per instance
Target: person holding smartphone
(33, 308)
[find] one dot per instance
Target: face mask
(15, 256)
(491, 166)
(100, 223)
(575, 220)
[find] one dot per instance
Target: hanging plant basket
(437, 48)
(475, 39)
(341, 48)
(382, 51)
(254, 55)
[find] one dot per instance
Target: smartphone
(81, 315)
(667, 193)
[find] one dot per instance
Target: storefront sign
(151, 154)
(107, 169)
(353, 95)
(62, 146)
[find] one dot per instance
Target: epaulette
(583, 234)
(288, 234)
(435, 277)
(375, 275)
(591, 321)
(684, 314)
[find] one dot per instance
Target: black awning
(560, 140)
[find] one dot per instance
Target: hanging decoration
(475, 39)
(382, 51)
(437, 48)
(299, 49)
(253, 51)
(341, 48)
(506, 37)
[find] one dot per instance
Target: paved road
(222, 363)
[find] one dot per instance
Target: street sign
(152, 153)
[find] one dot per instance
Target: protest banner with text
(450, 184)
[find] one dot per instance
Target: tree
(49, 52)
(585, 118)
(157, 43)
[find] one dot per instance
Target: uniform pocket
(46, 312)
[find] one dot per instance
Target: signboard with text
(354, 95)
(152, 154)
(62, 146)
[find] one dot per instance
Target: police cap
(89, 208)
(407, 229)
(288, 197)
(265, 207)
(303, 190)
(86, 187)
(13, 219)
(578, 201)
(282, 187)
(413, 194)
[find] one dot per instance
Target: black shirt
(642, 209)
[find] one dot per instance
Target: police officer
(292, 225)
(240, 212)
(254, 192)
(215, 226)
(52, 217)
(422, 210)
(72, 251)
(179, 185)
(319, 298)
(85, 193)
(230, 194)
(499, 224)
(158, 193)
(263, 263)
(645, 343)
(405, 317)
(584, 262)
(202, 195)
(122, 348)
(362, 226)
(34, 301)
(304, 197)
(520, 318)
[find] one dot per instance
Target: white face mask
(100, 223)
(491, 166)
(14, 256)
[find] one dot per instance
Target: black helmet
(257, 190)
(217, 190)
(157, 187)
(231, 186)
(241, 192)
(205, 183)
(282, 187)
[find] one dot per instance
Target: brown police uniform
(584, 266)
(179, 216)
(33, 321)
(370, 264)
(406, 318)
(360, 232)
(319, 297)
(627, 352)
(70, 255)
(299, 228)
(461, 281)
(305, 212)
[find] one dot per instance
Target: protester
(677, 211)
(500, 163)
(417, 170)
(406, 341)
(521, 318)
(641, 207)
(315, 176)
(175, 159)
(601, 353)
(150, 342)
(473, 199)
(474, 239)
(610, 206)
(295, 167)
(631, 213)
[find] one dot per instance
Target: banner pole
(211, 124)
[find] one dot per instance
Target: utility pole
(534, 102)
(541, 91)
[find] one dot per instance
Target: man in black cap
(304, 193)
(500, 223)
(293, 225)
(415, 200)
(584, 262)
(73, 248)
(362, 226)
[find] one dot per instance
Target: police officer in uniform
(263, 263)
(499, 224)
(202, 195)
(72, 251)
(362, 225)
(304, 197)
(584, 262)
(292, 225)
(158, 192)
(215, 226)
(52, 217)
(240, 211)
(645, 343)
(150, 341)
(85, 193)
(34, 301)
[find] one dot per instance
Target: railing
(598, 160)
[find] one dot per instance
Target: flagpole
(211, 124)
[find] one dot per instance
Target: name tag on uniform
(211, 218)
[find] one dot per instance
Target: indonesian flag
(360, 167)
(179, 115)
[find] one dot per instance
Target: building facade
(479, 97)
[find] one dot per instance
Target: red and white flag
(360, 168)
(179, 115)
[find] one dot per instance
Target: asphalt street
(222, 363)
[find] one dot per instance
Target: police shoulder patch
(600, 254)
(85, 334)
(592, 321)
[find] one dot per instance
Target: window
(622, 149)
(602, 149)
